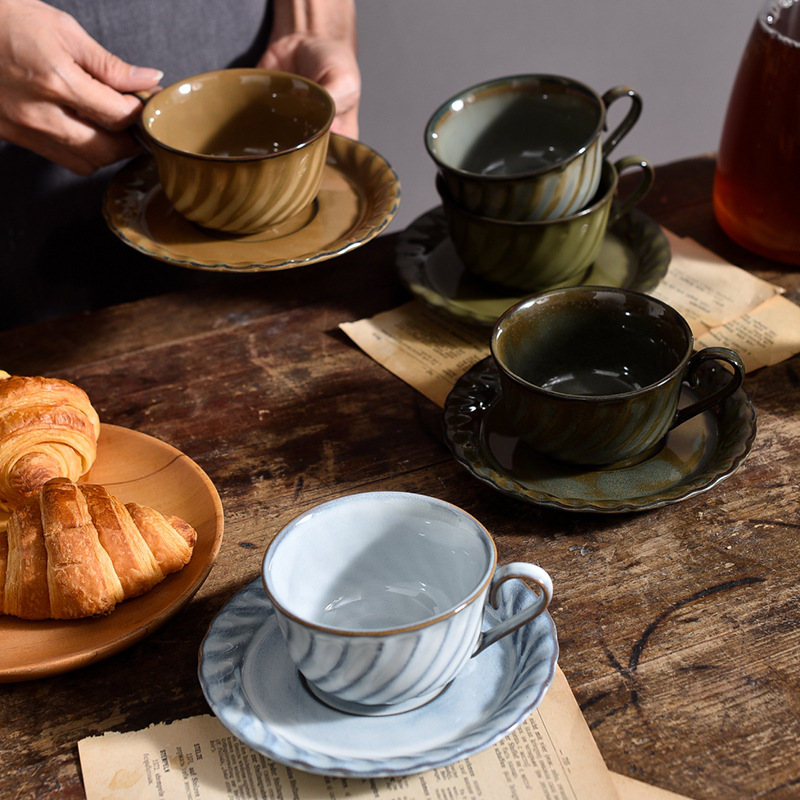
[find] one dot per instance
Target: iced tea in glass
(757, 180)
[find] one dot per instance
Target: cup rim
(240, 71)
(594, 398)
(464, 94)
(473, 596)
(595, 204)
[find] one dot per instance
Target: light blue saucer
(255, 690)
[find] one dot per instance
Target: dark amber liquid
(757, 182)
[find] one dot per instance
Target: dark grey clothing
(57, 255)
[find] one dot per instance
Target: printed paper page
(630, 789)
(723, 304)
(551, 756)
(421, 346)
(706, 289)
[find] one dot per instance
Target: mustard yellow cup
(239, 150)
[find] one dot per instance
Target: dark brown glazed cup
(593, 375)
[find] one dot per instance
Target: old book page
(723, 304)
(551, 756)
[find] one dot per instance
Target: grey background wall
(680, 55)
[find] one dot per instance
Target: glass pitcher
(757, 179)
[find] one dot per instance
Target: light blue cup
(380, 597)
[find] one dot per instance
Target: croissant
(48, 428)
(75, 551)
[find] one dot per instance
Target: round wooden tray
(133, 467)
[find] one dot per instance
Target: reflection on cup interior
(377, 604)
(387, 572)
(518, 131)
(596, 352)
(266, 121)
(256, 131)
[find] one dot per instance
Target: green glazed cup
(239, 150)
(526, 147)
(592, 375)
(532, 256)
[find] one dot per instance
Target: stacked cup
(524, 177)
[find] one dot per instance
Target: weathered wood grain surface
(679, 627)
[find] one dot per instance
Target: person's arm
(61, 93)
(317, 39)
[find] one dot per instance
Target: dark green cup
(593, 375)
(531, 256)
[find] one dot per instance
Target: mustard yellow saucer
(358, 198)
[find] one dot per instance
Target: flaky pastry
(75, 551)
(48, 428)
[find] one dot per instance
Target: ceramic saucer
(358, 198)
(255, 690)
(635, 255)
(696, 455)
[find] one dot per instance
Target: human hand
(62, 95)
(330, 63)
(317, 39)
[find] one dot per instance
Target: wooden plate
(134, 467)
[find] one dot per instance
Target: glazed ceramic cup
(380, 597)
(593, 375)
(239, 150)
(532, 256)
(526, 147)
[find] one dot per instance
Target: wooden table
(678, 627)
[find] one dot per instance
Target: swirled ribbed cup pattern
(546, 253)
(592, 375)
(240, 150)
(386, 670)
(245, 196)
(552, 195)
(380, 597)
(526, 148)
(599, 432)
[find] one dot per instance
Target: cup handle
(619, 209)
(710, 354)
(628, 121)
(526, 572)
(137, 129)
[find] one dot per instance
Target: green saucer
(635, 255)
(695, 456)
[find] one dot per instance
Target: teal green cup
(593, 375)
(532, 256)
(526, 147)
